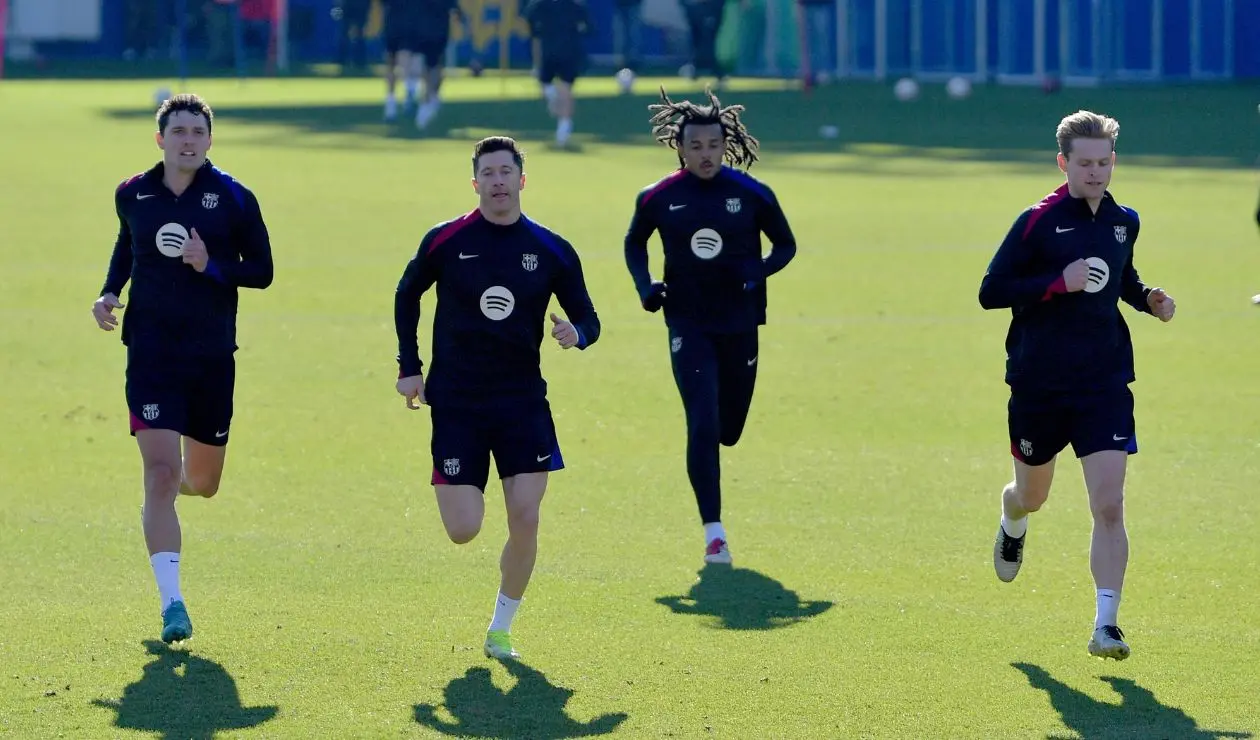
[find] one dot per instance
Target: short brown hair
(492, 144)
(1085, 124)
(190, 102)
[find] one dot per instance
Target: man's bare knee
(523, 520)
(1030, 499)
(205, 486)
(462, 532)
(1108, 509)
(161, 480)
(462, 509)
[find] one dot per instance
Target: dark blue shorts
(565, 69)
(520, 437)
(431, 48)
(1042, 424)
(189, 395)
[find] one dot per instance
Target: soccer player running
(189, 236)
(495, 271)
(710, 217)
(435, 34)
(416, 33)
(1061, 269)
(560, 27)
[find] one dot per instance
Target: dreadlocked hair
(670, 119)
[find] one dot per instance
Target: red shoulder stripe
(1039, 210)
(662, 184)
(453, 228)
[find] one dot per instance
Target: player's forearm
(1134, 292)
(637, 263)
(253, 273)
(588, 328)
(119, 268)
(781, 253)
(1000, 291)
(406, 321)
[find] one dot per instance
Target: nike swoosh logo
(1117, 438)
(1061, 230)
(142, 196)
(752, 362)
(220, 435)
(541, 458)
(673, 207)
(467, 256)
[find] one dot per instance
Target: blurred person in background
(627, 33)
(704, 19)
(351, 25)
(416, 35)
(819, 19)
(144, 22)
(560, 27)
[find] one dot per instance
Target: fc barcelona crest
(210, 200)
(732, 205)
(1122, 233)
(450, 466)
(149, 411)
(529, 262)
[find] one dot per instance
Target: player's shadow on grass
(743, 599)
(184, 697)
(1139, 713)
(532, 708)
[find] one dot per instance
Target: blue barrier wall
(948, 36)
(947, 40)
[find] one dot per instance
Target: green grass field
(861, 503)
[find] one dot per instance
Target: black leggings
(716, 374)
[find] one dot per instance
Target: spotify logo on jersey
(497, 303)
(1098, 275)
(170, 240)
(706, 244)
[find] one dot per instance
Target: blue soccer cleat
(176, 626)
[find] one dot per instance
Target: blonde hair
(1085, 124)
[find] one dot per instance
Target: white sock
(1108, 606)
(504, 611)
(390, 99)
(166, 571)
(714, 531)
(565, 127)
(1014, 527)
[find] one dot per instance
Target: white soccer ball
(958, 87)
(906, 89)
(161, 95)
(625, 80)
(829, 132)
